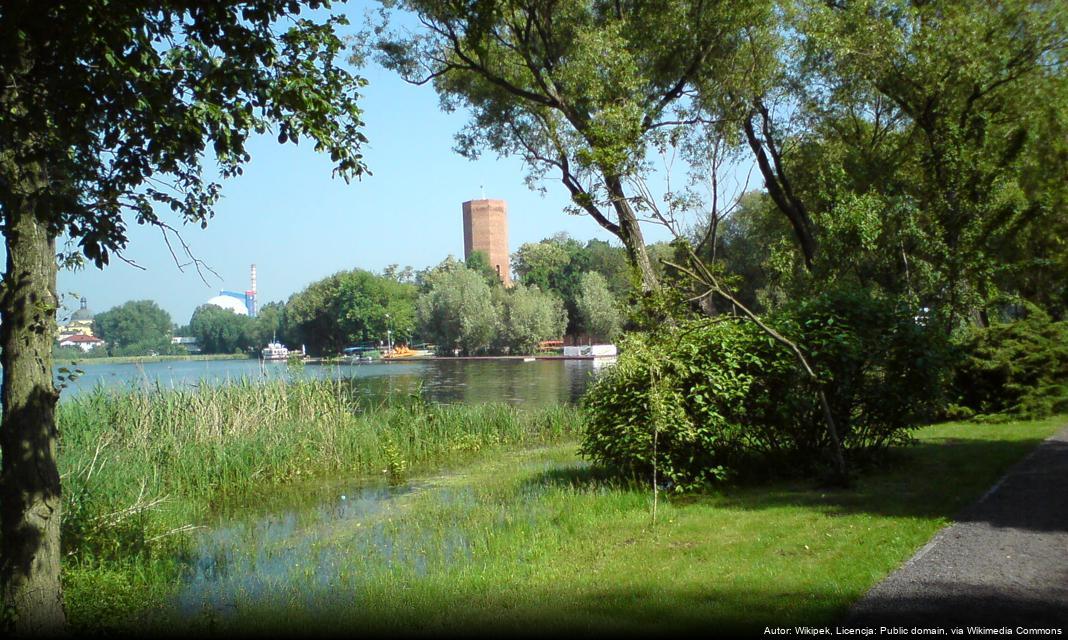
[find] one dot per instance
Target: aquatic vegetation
(142, 466)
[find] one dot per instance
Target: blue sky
(297, 224)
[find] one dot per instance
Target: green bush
(725, 398)
(1013, 370)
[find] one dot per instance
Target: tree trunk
(30, 500)
(631, 235)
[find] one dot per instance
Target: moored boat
(278, 351)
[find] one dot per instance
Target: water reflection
(296, 555)
(537, 383)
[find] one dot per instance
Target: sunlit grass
(516, 535)
(536, 540)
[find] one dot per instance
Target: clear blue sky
(297, 224)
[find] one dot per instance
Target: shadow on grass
(938, 478)
(616, 611)
(612, 611)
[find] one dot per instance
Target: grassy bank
(536, 540)
(523, 536)
(140, 467)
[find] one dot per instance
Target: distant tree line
(562, 287)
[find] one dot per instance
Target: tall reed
(173, 452)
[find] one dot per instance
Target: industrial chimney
(250, 295)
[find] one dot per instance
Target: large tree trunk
(29, 478)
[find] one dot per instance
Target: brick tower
(486, 230)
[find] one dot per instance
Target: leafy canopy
(219, 330)
(134, 326)
(349, 307)
(117, 104)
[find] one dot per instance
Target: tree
(405, 275)
(372, 305)
(106, 109)
(134, 328)
(582, 88)
(911, 158)
(351, 306)
(531, 315)
(479, 261)
(219, 330)
(556, 264)
(611, 262)
(270, 324)
(458, 310)
(542, 264)
(598, 310)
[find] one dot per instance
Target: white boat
(275, 351)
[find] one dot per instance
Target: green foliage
(1013, 369)
(884, 366)
(219, 330)
(721, 397)
(597, 308)
(349, 307)
(270, 324)
(76, 353)
(932, 167)
(458, 310)
(137, 327)
(478, 261)
(530, 316)
(558, 264)
(182, 82)
(545, 264)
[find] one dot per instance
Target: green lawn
(534, 541)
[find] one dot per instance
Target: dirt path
(1004, 562)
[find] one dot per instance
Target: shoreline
(148, 359)
(310, 360)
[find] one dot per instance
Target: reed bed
(206, 442)
(141, 466)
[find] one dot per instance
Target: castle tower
(486, 230)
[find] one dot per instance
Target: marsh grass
(141, 466)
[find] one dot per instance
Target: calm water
(535, 383)
(320, 547)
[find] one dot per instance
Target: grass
(140, 467)
(537, 541)
(520, 536)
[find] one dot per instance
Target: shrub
(884, 369)
(1013, 370)
(721, 397)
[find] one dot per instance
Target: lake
(537, 383)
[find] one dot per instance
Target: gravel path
(1004, 562)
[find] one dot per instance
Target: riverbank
(518, 532)
(503, 358)
(148, 359)
(538, 540)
